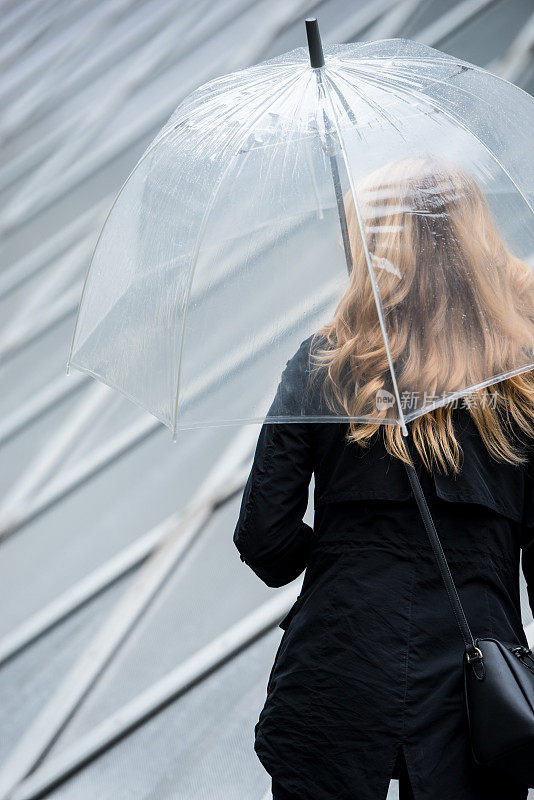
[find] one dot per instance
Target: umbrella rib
(327, 84)
(88, 271)
(370, 77)
(418, 60)
(380, 111)
(265, 106)
(453, 396)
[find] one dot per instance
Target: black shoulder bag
(498, 679)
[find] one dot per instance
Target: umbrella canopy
(381, 204)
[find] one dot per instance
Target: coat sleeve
(270, 534)
(527, 539)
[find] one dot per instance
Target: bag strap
(472, 652)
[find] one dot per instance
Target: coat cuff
(283, 565)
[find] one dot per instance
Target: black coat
(371, 660)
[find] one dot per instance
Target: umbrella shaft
(334, 167)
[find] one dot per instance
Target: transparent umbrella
(379, 198)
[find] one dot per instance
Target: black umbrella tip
(315, 46)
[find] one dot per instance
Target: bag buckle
(477, 655)
(520, 650)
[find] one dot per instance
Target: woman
(367, 680)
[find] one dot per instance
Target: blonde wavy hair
(458, 307)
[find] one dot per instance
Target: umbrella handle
(315, 46)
